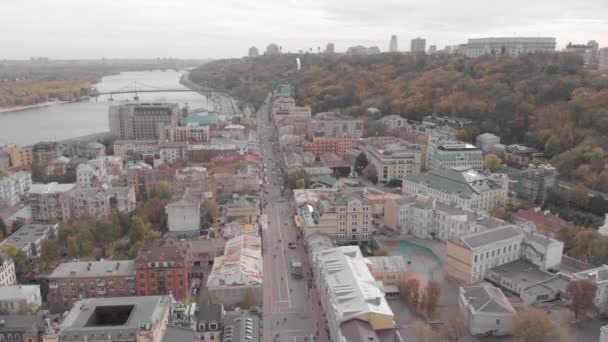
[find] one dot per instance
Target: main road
(287, 305)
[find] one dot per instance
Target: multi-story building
(162, 269)
(602, 59)
(445, 155)
(353, 304)
(210, 322)
(395, 160)
(44, 152)
(14, 187)
(346, 216)
(486, 310)
(537, 220)
(394, 122)
(141, 121)
(392, 46)
(323, 145)
(5, 160)
(91, 174)
(73, 281)
(45, 201)
(599, 276)
(243, 208)
(27, 328)
(330, 48)
(237, 275)
(534, 182)
(192, 133)
(328, 124)
(473, 257)
(20, 156)
(171, 152)
(418, 45)
(467, 189)
(30, 236)
(428, 218)
(20, 298)
(390, 270)
(486, 141)
(253, 52)
(137, 319)
(83, 149)
(7, 271)
(521, 156)
(97, 202)
(123, 147)
(508, 46)
(589, 52)
(184, 212)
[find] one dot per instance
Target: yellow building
(20, 156)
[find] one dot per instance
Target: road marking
(283, 257)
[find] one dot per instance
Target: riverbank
(34, 106)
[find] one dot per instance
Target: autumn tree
(567, 235)
(582, 243)
(164, 190)
(582, 295)
(50, 252)
(598, 250)
(370, 173)
(424, 332)
(360, 163)
(432, 293)
(211, 209)
(454, 326)
(532, 325)
(154, 213)
(410, 292)
(501, 213)
(137, 230)
(248, 300)
(491, 162)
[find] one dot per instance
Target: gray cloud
(205, 28)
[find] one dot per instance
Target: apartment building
(97, 202)
(20, 155)
(19, 298)
(237, 274)
(7, 271)
(91, 173)
(603, 59)
(329, 124)
(73, 281)
(520, 156)
(445, 155)
(45, 201)
(323, 145)
(599, 276)
(14, 188)
(83, 149)
(137, 319)
(355, 308)
(428, 218)
(28, 328)
(210, 322)
(534, 182)
(162, 269)
(184, 212)
(508, 46)
(346, 216)
(394, 122)
(30, 236)
(467, 189)
(395, 160)
(45, 151)
(141, 121)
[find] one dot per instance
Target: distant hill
(546, 100)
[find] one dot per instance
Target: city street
(287, 305)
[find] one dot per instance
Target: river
(71, 120)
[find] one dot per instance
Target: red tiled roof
(540, 218)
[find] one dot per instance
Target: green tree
(567, 235)
(49, 254)
(3, 229)
(360, 163)
(553, 146)
(370, 173)
(134, 249)
(599, 250)
(137, 230)
(211, 209)
(491, 162)
(154, 213)
(22, 262)
(105, 232)
(164, 190)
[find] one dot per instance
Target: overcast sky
(227, 28)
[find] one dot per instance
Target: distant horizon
(73, 29)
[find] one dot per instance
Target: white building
(394, 122)
(395, 160)
(30, 236)
(599, 276)
(45, 201)
(486, 141)
(486, 310)
(14, 187)
(7, 271)
(445, 155)
(16, 298)
(123, 147)
(184, 212)
(348, 292)
(91, 173)
(467, 189)
(238, 273)
(508, 46)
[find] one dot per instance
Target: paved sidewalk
(320, 327)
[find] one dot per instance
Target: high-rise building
(330, 48)
(393, 44)
(141, 121)
(589, 52)
(253, 52)
(432, 49)
(273, 49)
(508, 46)
(418, 45)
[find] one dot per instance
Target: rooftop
(103, 268)
(522, 272)
(28, 233)
(50, 188)
(540, 217)
(462, 182)
(164, 250)
(487, 237)
(210, 312)
(31, 324)
(241, 325)
(597, 274)
(387, 264)
(241, 264)
(19, 292)
(486, 298)
(113, 318)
